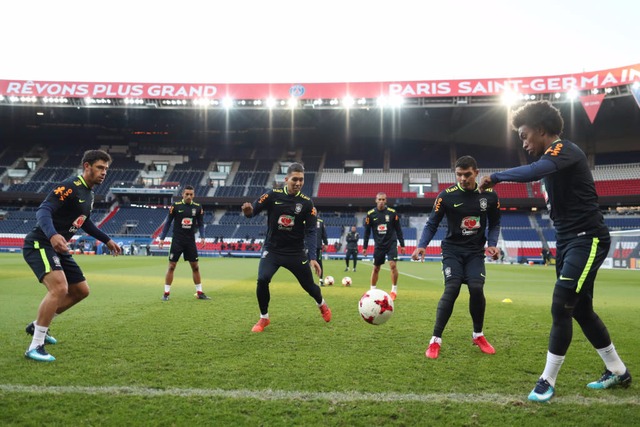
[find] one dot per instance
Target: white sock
(477, 334)
(39, 333)
(551, 369)
(167, 289)
(321, 304)
(394, 288)
(435, 339)
(199, 287)
(264, 316)
(373, 286)
(611, 359)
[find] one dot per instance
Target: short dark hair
(538, 115)
(188, 187)
(295, 167)
(466, 162)
(92, 156)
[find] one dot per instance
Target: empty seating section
(370, 153)
(186, 177)
(489, 157)
(617, 158)
(419, 155)
(621, 222)
(135, 221)
(117, 178)
(618, 188)
(194, 164)
(617, 180)
(339, 184)
(309, 182)
(515, 220)
(333, 219)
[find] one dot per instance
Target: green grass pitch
(124, 357)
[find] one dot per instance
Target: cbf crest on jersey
(193, 212)
(386, 218)
(298, 208)
(483, 204)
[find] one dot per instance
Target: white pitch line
(273, 395)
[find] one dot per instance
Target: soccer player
(187, 216)
(46, 248)
(582, 241)
(352, 248)
(385, 224)
(469, 212)
(321, 245)
(291, 227)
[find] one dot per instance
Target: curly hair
(538, 115)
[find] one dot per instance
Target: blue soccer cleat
(39, 354)
(542, 392)
(609, 379)
(48, 339)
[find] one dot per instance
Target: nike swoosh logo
(455, 205)
(81, 201)
(304, 262)
(565, 278)
(278, 203)
(483, 275)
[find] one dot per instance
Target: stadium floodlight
(594, 91)
(270, 102)
(635, 85)
(381, 102)
(557, 95)
(227, 103)
(292, 103)
(396, 101)
(317, 102)
(572, 94)
(348, 101)
(509, 97)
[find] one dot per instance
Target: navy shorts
(463, 267)
(379, 254)
(43, 259)
(578, 260)
(179, 248)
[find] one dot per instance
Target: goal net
(624, 251)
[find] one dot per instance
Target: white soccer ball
(346, 281)
(328, 280)
(376, 306)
